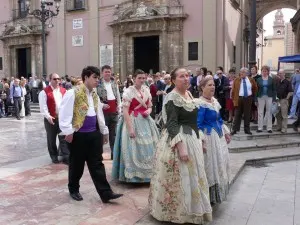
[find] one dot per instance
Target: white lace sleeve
(225, 129)
(127, 97)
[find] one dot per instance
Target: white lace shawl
(179, 101)
(131, 92)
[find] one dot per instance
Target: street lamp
(43, 15)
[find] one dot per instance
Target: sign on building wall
(106, 55)
(77, 40)
(77, 23)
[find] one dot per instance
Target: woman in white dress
(215, 136)
(22, 85)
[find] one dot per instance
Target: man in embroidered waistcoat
(81, 119)
(49, 101)
(109, 94)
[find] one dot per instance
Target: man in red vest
(109, 94)
(50, 99)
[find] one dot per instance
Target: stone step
(264, 144)
(254, 127)
(241, 136)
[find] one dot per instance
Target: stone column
(7, 61)
(209, 26)
(129, 54)
(123, 56)
(61, 41)
(163, 51)
(13, 58)
(94, 33)
(39, 57)
(33, 59)
(116, 56)
(252, 48)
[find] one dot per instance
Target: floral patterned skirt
(179, 191)
(133, 157)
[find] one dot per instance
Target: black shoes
(55, 160)
(259, 131)
(295, 128)
(76, 196)
(65, 161)
(270, 132)
(233, 132)
(110, 196)
(248, 132)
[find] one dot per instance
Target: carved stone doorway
(135, 20)
(146, 54)
(23, 62)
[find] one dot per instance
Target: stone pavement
(260, 196)
(33, 191)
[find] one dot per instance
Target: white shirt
(199, 78)
(249, 87)
(109, 91)
(111, 96)
(24, 92)
(43, 101)
(66, 111)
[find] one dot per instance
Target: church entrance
(146, 54)
(23, 62)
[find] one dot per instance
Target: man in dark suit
(222, 85)
(160, 87)
(27, 100)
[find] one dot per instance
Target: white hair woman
(215, 136)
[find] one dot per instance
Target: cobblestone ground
(33, 191)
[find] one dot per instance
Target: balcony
(19, 14)
(75, 5)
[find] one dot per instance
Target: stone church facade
(126, 34)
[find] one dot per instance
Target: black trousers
(18, 106)
(27, 105)
(244, 108)
(153, 112)
(111, 120)
(52, 132)
(87, 147)
(222, 102)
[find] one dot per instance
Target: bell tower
(278, 26)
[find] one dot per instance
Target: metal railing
(19, 14)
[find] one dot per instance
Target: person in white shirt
(81, 119)
(49, 100)
(109, 94)
(243, 91)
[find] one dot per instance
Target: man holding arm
(81, 119)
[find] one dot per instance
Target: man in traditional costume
(81, 120)
(109, 94)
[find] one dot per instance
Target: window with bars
(73, 5)
(193, 51)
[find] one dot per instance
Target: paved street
(33, 191)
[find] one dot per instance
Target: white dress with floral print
(179, 191)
